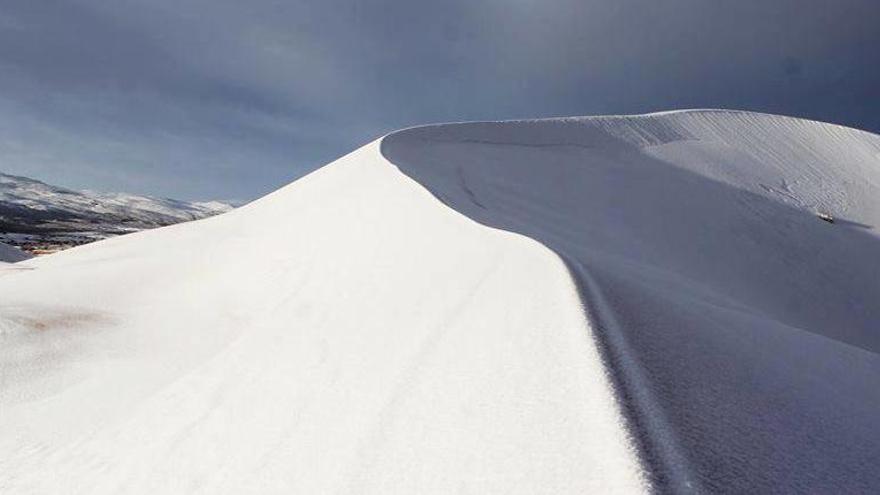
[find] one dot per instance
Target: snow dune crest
(603, 305)
(347, 333)
(740, 328)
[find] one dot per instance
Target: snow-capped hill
(347, 333)
(589, 305)
(731, 261)
(10, 254)
(41, 218)
(32, 203)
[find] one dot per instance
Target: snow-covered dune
(596, 305)
(742, 330)
(346, 334)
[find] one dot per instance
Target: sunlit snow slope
(595, 305)
(742, 331)
(346, 334)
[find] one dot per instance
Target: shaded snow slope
(346, 334)
(742, 331)
(9, 254)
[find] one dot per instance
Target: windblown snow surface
(586, 305)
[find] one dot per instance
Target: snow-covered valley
(584, 305)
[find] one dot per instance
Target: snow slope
(346, 334)
(9, 254)
(641, 303)
(742, 330)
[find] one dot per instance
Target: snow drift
(641, 303)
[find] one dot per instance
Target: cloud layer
(230, 99)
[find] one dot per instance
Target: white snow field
(586, 305)
(346, 334)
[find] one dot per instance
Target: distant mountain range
(37, 216)
(9, 254)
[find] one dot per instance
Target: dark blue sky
(230, 99)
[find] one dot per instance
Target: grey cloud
(223, 98)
